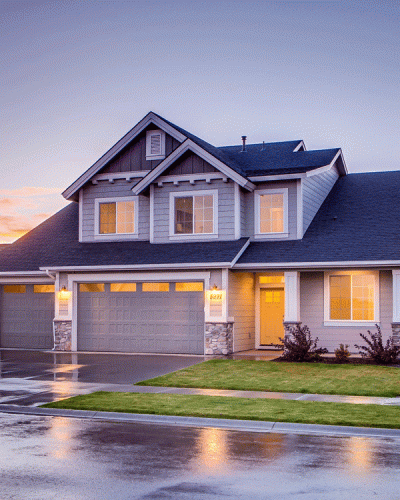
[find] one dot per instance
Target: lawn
(274, 410)
(315, 378)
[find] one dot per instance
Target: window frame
(187, 194)
(161, 154)
(115, 236)
(350, 322)
(257, 213)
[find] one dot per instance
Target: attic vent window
(155, 145)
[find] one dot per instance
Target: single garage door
(141, 317)
(27, 313)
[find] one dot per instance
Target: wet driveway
(73, 459)
(37, 377)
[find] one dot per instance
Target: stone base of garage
(62, 335)
(219, 338)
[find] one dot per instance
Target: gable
(190, 163)
(133, 157)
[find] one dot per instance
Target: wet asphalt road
(46, 458)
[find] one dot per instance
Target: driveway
(37, 377)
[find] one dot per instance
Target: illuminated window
(14, 288)
(43, 288)
(117, 217)
(352, 297)
(194, 214)
(189, 287)
(273, 280)
(271, 212)
(123, 287)
(155, 287)
(91, 287)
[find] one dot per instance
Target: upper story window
(271, 213)
(351, 296)
(116, 217)
(155, 145)
(193, 213)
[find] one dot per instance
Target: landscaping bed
(315, 378)
(307, 412)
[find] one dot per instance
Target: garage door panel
(137, 321)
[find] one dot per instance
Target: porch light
(64, 294)
(214, 288)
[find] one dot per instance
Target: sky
(76, 75)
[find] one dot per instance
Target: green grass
(274, 410)
(315, 378)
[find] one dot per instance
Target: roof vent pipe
(263, 146)
(244, 143)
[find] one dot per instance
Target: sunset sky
(77, 75)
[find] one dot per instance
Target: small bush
(375, 350)
(342, 354)
(299, 346)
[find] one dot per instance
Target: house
(172, 245)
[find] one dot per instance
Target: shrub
(375, 350)
(342, 354)
(299, 346)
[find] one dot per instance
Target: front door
(272, 311)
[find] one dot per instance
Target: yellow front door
(272, 311)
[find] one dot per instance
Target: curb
(227, 424)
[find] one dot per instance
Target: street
(72, 459)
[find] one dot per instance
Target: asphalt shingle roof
(54, 243)
(358, 221)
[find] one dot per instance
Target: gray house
(172, 245)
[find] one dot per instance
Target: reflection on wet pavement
(54, 457)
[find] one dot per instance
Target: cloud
(24, 208)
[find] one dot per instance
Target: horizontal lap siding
(312, 312)
(120, 188)
(241, 308)
(226, 218)
(315, 190)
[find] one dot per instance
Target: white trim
(161, 154)
(115, 236)
(124, 141)
(191, 178)
(27, 279)
(318, 171)
(292, 296)
(272, 177)
(151, 225)
(350, 322)
(190, 265)
(186, 194)
(300, 227)
(185, 146)
(396, 295)
(237, 210)
(299, 145)
(40, 273)
(240, 253)
(257, 196)
(319, 265)
(128, 176)
(80, 215)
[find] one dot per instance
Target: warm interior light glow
(64, 294)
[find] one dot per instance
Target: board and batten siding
(119, 189)
(226, 212)
(241, 308)
(291, 186)
(312, 312)
(315, 189)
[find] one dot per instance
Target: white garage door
(27, 313)
(141, 317)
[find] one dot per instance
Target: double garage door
(141, 317)
(26, 316)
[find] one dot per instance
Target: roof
(358, 221)
(269, 159)
(54, 243)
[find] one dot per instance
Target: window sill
(351, 323)
(155, 157)
(189, 237)
(116, 237)
(271, 235)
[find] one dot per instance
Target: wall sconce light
(64, 294)
(214, 288)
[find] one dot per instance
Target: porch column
(396, 306)
(292, 301)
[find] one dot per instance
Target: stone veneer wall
(396, 333)
(219, 338)
(62, 335)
